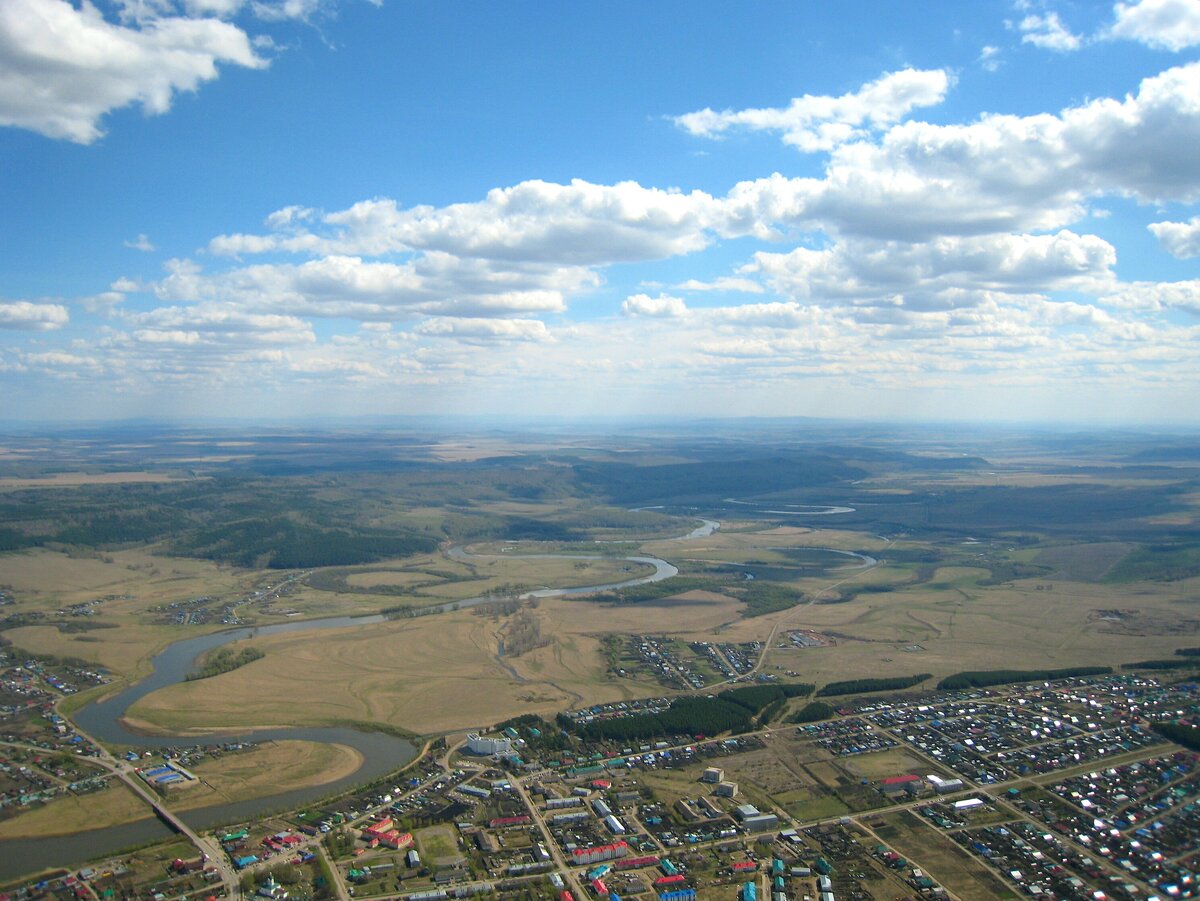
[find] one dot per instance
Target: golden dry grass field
(953, 623)
(434, 674)
(272, 768)
(430, 674)
(441, 673)
(69, 814)
(127, 584)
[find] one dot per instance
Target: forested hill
(624, 483)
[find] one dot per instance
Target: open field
(375, 577)
(881, 764)
(76, 479)
(272, 768)
(1083, 562)
(438, 845)
(70, 813)
(429, 674)
(443, 673)
(926, 847)
(44, 577)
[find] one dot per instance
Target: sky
(265, 209)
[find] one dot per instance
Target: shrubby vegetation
(863, 686)
(1158, 562)
(549, 738)
(686, 716)
(281, 543)
(984, 678)
(1184, 734)
(769, 597)
(653, 591)
(812, 712)
(1162, 664)
(756, 697)
(735, 709)
(224, 660)
(1188, 652)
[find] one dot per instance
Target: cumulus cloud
(1000, 174)
(485, 330)
(142, 243)
(1181, 239)
(989, 58)
(105, 303)
(344, 286)
(663, 307)
(922, 255)
(221, 8)
(1047, 32)
(774, 315)
(1164, 24)
(812, 123)
(62, 68)
(1157, 296)
(946, 273)
(38, 317)
(578, 223)
(61, 363)
(218, 322)
(724, 283)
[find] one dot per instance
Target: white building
(486, 747)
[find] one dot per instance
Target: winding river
(794, 509)
(382, 753)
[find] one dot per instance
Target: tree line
(863, 686)
(984, 678)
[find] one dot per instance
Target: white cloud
(813, 123)
(724, 283)
(579, 223)
(344, 286)
(223, 9)
(946, 273)
(289, 216)
(279, 10)
(1157, 296)
(62, 68)
(218, 322)
(142, 243)
(924, 255)
(485, 330)
(1000, 174)
(767, 315)
(1164, 24)
(61, 363)
(663, 307)
(38, 317)
(106, 302)
(1047, 32)
(989, 58)
(1181, 239)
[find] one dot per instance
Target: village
(1053, 790)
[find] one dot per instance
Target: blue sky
(280, 208)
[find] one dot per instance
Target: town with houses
(1057, 789)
